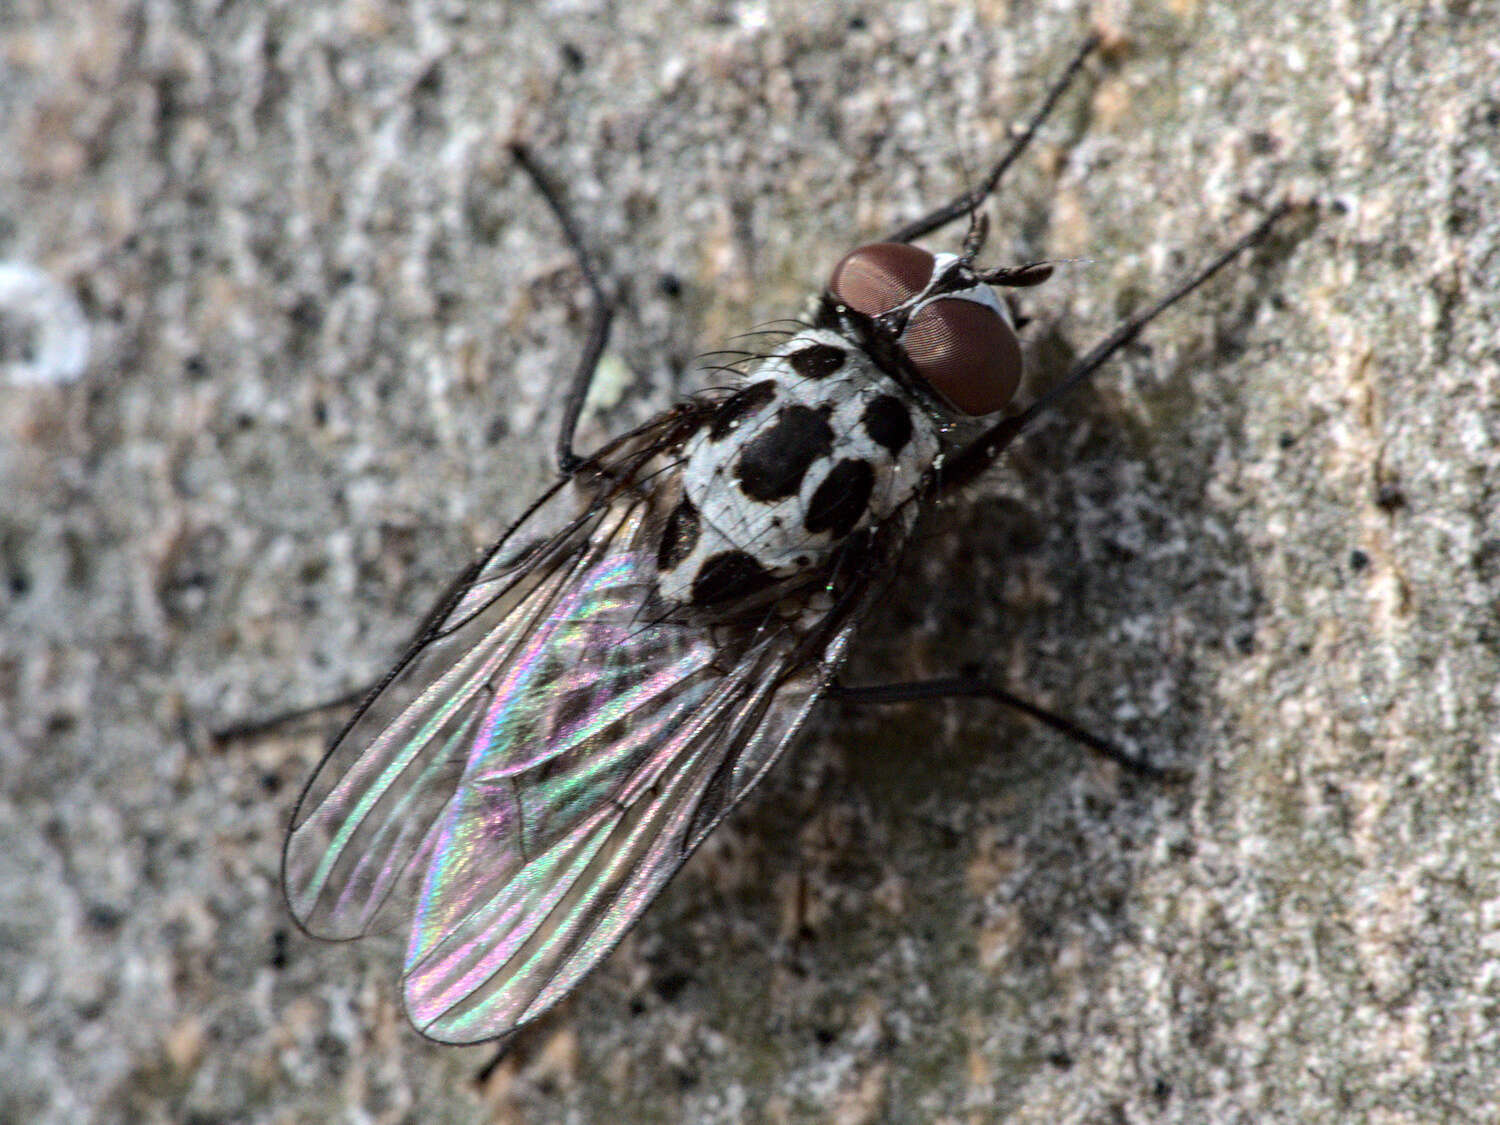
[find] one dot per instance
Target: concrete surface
(328, 322)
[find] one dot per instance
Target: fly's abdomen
(818, 445)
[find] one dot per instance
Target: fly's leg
(968, 202)
(247, 729)
(972, 459)
(568, 461)
(600, 315)
(977, 687)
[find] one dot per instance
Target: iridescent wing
(549, 754)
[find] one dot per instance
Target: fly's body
(592, 697)
(621, 669)
(820, 445)
(839, 431)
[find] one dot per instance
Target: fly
(591, 697)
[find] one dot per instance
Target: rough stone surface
(329, 324)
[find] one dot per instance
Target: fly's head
(932, 321)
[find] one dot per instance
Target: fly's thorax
(818, 445)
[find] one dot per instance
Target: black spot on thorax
(772, 465)
(744, 403)
(679, 536)
(727, 576)
(816, 361)
(888, 422)
(838, 503)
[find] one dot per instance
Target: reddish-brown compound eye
(876, 278)
(966, 352)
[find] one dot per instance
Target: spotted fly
(593, 695)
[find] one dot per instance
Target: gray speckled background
(329, 323)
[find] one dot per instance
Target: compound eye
(876, 278)
(966, 352)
